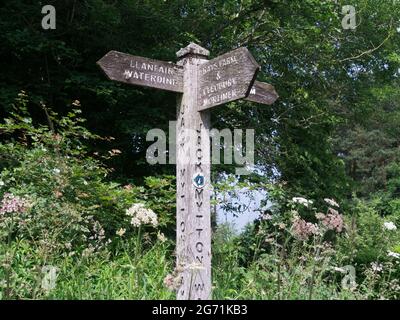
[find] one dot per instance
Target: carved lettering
(199, 286)
(198, 194)
(199, 153)
(198, 166)
(199, 247)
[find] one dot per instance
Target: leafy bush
(72, 210)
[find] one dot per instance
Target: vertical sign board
(204, 84)
(193, 248)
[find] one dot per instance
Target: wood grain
(142, 71)
(226, 78)
(263, 93)
(193, 203)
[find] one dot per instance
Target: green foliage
(368, 240)
(95, 276)
(333, 132)
(72, 211)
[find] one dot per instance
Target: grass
(122, 275)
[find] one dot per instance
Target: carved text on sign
(226, 78)
(135, 70)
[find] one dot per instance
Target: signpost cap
(192, 49)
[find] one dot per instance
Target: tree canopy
(337, 87)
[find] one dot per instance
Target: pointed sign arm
(142, 71)
(226, 78)
(263, 93)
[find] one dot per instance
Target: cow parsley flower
(331, 202)
(121, 232)
(320, 216)
(394, 254)
(377, 267)
(173, 281)
(302, 201)
(141, 215)
(389, 226)
(266, 216)
(161, 237)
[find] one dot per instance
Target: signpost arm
(193, 183)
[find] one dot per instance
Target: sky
(249, 215)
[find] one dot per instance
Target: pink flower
(12, 204)
(169, 281)
(172, 281)
(333, 220)
(302, 229)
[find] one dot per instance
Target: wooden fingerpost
(201, 85)
(193, 248)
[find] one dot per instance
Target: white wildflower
(173, 281)
(135, 222)
(377, 267)
(161, 237)
(266, 216)
(331, 202)
(121, 232)
(394, 254)
(86, 253)
(56, 171)
(389, 226)
(68, 245)
(302, 201)
(2, 183)
(141, 215)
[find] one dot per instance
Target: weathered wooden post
(193, 218)
(203, 84)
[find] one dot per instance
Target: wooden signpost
(203, 84)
